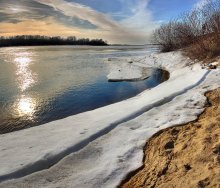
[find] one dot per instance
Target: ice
(98, 148)
(125, 70)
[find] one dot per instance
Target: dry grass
(206, 49)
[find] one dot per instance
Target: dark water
(42, 84)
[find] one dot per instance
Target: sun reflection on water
(25, 77)
(26, 106)
(23, 60)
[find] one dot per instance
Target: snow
(121, 70)
(98, 148)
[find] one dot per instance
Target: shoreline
(182, 152)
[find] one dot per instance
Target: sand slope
(184, 156)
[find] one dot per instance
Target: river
(42, 84)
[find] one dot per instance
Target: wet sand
(183, 156)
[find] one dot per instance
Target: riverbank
(99, 148)
(184, 156)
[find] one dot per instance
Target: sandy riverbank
(184, 156)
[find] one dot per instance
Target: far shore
(109, 46)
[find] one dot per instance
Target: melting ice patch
(127, 70)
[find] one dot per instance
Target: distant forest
(37, 40)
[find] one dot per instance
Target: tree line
(37, 40)
(197, 31)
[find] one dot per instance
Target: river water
(42, 84)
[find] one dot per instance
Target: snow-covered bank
(107, 142)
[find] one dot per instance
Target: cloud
(201, 3)
(141, 19)
(21, 10)
(82, 12)
(133, 29)
(47, 27)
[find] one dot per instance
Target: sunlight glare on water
(25, 77)
(26, 106)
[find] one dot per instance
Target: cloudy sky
(117, 21)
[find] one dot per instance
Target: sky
(116, 21)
